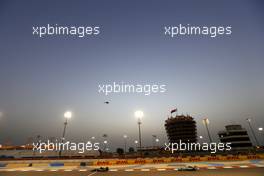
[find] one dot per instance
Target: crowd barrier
(178, 159)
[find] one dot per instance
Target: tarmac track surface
(221, 172)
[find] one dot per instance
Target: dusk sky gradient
(220, 78)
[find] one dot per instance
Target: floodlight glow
(139, 114)
(68, 114)
(206, 121)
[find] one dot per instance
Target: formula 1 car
(188, 168)
(101, 169)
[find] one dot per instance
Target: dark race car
(188, 168)
(101, 169)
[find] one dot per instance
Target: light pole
(67, 115)
(92, 139)
(200, 139)
(1, 114)
(105, 141)
(254, 135)
(136, 144)
(260, 130)
(154, 137)
(157, 141)
(206, 123)
(105, 144)
(125, 140)
(139, 115)
(38, 143)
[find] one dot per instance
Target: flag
(174, 110)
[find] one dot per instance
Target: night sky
(40, 78)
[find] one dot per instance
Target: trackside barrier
(71, 164)
(107, 162)
(16, 165)
(40, 164)
(177, 159)
(56, 164)
(83, 164)
(3, 164)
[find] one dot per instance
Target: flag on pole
(174, 110)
